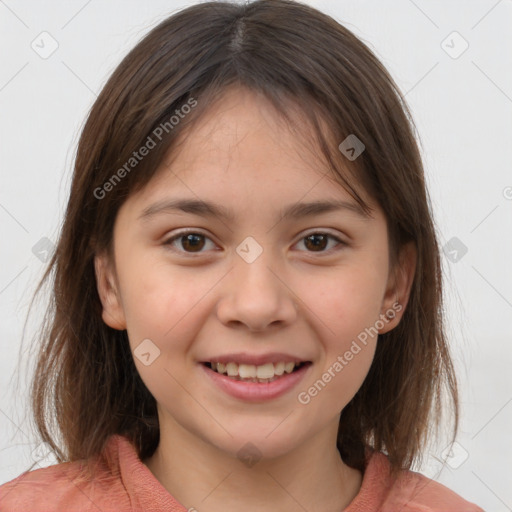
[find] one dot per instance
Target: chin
(251, 445)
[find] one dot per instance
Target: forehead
(241, 151)
(242, 125)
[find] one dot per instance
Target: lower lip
(256, 391)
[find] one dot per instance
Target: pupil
(192, 239)
(321, 241)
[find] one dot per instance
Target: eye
(187, 241)
(193, 242)
(318, 241)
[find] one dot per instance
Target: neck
(199, 475)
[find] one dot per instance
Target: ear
(399, 288)
(113, 313)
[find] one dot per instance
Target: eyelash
(341, 244)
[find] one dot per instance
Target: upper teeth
(246, 371)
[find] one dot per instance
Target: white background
(462, 107)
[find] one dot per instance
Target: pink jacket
(124, 483)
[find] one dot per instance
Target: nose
(257, 296)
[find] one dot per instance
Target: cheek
(163, 313)
(167, 306)
(345, 309)
(154, 298)
(345, 303)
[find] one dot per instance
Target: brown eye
(187, 242)
(317, 242)
(192, 241)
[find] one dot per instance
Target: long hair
(85, 386)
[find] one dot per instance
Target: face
(191, 287)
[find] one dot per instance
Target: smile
(251, 373)
(254, 389)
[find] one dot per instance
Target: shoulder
(414, 492)
(69, 486)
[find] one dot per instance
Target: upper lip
(254, 359)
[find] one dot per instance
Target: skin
(210, 301)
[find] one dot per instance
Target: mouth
(256, 384)
(264, 373)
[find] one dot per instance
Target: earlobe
(113, 313)
(399, 288)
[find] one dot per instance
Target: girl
(247, 301)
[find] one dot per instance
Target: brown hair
(86, 386)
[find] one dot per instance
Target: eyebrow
(209, 209)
